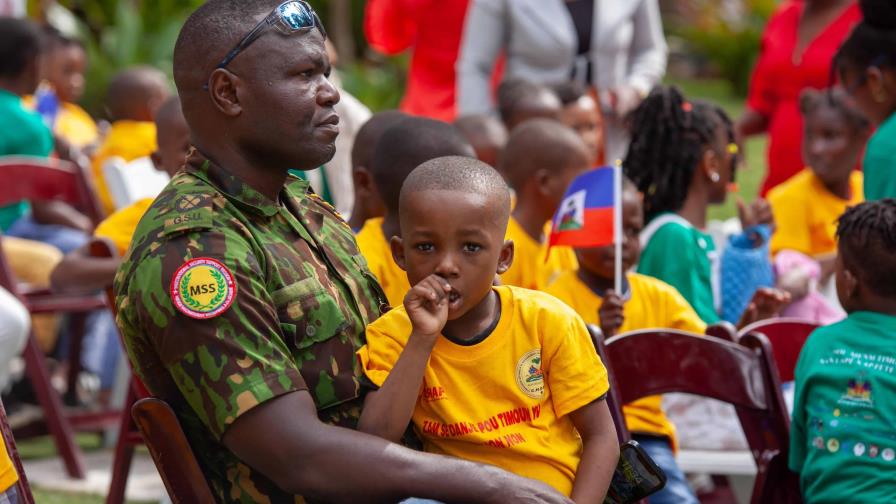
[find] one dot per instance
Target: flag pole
(617, 226)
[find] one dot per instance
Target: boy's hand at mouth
(427, 306)
(611, 313)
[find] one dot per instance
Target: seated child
(644, 303)
(368, 203)
(404, 146)
(843, 439)
(806, 206)
(520, 100)
(581, 112)
(65, 63)
(486, 134)
(499, 375)
(541, 158)
(133, 97)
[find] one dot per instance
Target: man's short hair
(20, 44)
(406, 145)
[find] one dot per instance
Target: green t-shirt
(684, 257)
(880, 162)
(843, 433)
(22, 133)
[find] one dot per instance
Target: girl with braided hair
(842, 438)
(682, 158)
(866, 64)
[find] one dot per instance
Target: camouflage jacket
(227, 299)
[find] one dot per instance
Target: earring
(714, 177)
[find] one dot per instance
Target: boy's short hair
(406, 145)
(568, 91)
(369, 135)
(131, 89)
(540, 143)
(473, 126)
(462, 174)
(168, 111)
(515, 93)
(20, 44)
(867, 237)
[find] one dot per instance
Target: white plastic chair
(130, 182)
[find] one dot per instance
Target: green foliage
(730, 41)
(379, 85)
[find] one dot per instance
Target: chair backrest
(743, 374)
(787, 336)
(47, 179)
(129, 182)
(171, 452)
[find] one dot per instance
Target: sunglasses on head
(288, 17)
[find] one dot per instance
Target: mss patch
(202, 288)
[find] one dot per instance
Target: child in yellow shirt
(133, 97)
(368, 204)
(405, 145)
(806, 207)
(541, 158)
(644, 303)
(499, 375)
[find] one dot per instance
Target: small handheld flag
(589, 214)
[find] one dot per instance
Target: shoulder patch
(203, 288)
(191, 211)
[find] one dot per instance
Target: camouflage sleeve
(201, 299)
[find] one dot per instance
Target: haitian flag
(585, 217)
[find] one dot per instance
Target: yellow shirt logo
(529, 375)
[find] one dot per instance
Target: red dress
(434, 28)
(780, 76)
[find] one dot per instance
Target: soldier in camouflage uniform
(243, 297)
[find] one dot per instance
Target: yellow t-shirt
(806, 214)
(8, 474)
(375, 248)
(119, 227)
(651, 304)
(128, 140)
(529, 268)
(506, 400)
(75, 125)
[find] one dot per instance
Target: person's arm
(80, 272)
(388, 410)
(483, 39)
(649, 51)
(611, 313)
(388, 27)
(306, 457)
(600, 452)
(751, 122)
(63, 214)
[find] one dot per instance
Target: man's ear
(506, 257)
(396, 244)
(223, 88)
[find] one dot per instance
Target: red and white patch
(203, 288)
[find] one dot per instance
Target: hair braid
(867, 235)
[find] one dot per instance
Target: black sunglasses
(288, 17)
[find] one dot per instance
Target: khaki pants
(32, 262)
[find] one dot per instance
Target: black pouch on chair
(636, 476)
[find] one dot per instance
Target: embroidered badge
(529, 376)
(202, 288)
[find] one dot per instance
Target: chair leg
(54, 415)
(22, 486)
(77, 327)
(124, 452)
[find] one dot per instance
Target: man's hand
(611, 313)
(427, 306)
(766, 303)
(524, 491)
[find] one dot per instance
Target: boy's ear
(876, 83)
(506, 257)
(543, 181)
(362, 179)
(396, 244)
(850, 284)
(222, 87)
(156, 160)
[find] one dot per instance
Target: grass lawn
(749, 177)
